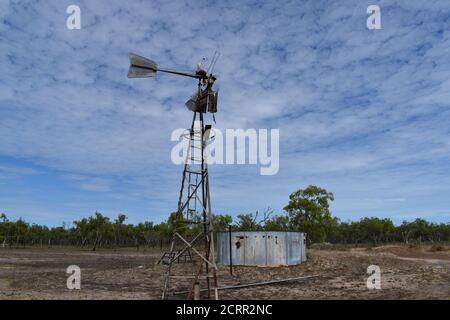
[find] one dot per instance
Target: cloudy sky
(362, 113)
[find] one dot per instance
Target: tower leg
(192, 226)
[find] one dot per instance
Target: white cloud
(346, 100)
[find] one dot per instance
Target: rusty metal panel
(212, 101)
(260, 248)
(276, 248)
(238, 243)
(223, 248)
(304, 247)
(294, 248)
(255, 254)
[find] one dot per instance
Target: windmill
(194, 201)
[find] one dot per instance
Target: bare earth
(407, 273)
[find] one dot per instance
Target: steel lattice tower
(194, 203)
(194, 199)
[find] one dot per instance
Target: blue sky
(363, 113)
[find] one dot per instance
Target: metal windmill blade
(191, 104)
(206, 103)
(198, 104)
(141, 67)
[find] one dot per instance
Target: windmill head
(203, 101)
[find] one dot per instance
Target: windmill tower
(194, 201)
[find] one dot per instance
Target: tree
(222, 222)
(4, 232)
(119, 229)
(120, 219)
(21, 231)
(277, 223)
(247, 222)
(309, 212)
(405, 231)
(376, 230)
(420, 229)
(442, 232)
(145, 232)
(98, 226)
(82, 231)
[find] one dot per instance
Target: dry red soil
(406, 273)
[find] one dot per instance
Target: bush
(415, 246)
(436, 247)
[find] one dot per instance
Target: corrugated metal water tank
(261, 248)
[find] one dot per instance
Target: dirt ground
(406, 273)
